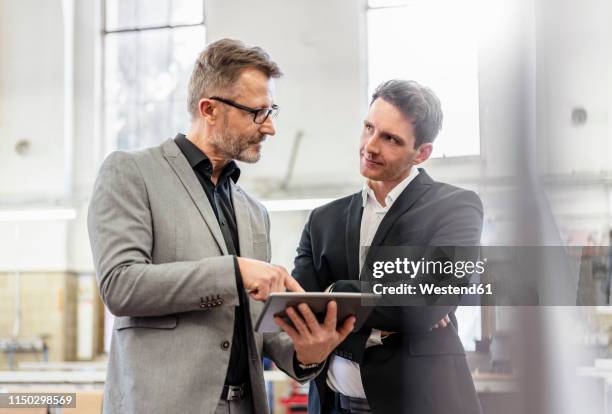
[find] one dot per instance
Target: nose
(267, 128)
(371, 145)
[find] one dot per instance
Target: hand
(261, 278)
(313, 341)
(442, 323)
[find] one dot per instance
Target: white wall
(575, 70)
(575, 67)
(32, 99)
(33, 105)
(319, 45)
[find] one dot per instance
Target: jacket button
(225, 345)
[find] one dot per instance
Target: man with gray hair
(405, 359)
(181, 255)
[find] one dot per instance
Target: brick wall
(48, 307)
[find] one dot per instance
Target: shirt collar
(199, 161)
(393, 194)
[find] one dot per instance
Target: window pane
(120, 14)
(438, 50)
(153, 13)
(187, 12)
(388, 3)
(146, 76)
(135, 14)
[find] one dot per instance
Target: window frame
(470, 159)
(106, 144)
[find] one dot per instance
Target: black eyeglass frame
(273, 110)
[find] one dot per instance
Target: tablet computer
(348, 304)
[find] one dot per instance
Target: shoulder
(334, 209)
(118, 163)
(146, 161)
(452, 196)
(121, 157)
(129, 168)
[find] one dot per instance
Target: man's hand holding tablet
(314, 341)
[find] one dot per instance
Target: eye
(368, 127)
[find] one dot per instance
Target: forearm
(140, 289)
(408, 319)
(279, 348)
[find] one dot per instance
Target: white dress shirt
(344, 375)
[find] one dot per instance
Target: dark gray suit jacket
(418, 370)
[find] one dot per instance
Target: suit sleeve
(121, 235)
(304, 268)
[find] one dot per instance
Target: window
(150, 47)
(433, 42)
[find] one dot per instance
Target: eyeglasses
(259, 115)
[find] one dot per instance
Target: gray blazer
(163, 269)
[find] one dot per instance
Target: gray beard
(235, 147)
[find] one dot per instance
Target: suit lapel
(243, 221)
(353, 230)
(185, 173)
(245, 240)
(415, 190)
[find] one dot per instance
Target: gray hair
(418, 104)
(219, 66)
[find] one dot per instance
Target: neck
(199, 137)
(383, 188)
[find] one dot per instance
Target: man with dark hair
(181, 255)
(403, 359)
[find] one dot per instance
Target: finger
(287, 328)
(281, 269)
(276, 282)
(263, 291)
(443, 323)
(254, 294)
(281, 283)
(257, 295)
(331, 317)
(292, 285)
(447, 319)
(280, 276)
(347, 327)
(309, 317)
(436, 326)
(298, 322)
(280, 287)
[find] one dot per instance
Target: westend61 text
(432, 289)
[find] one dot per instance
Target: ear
(423, 153)
(208, 110)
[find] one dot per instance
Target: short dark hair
(219, 66)
(418, 104)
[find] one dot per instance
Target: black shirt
(219, 197)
